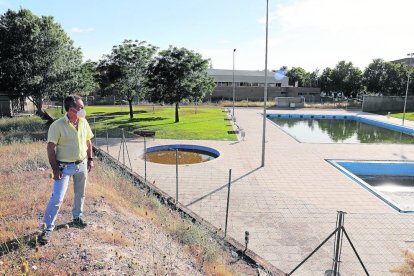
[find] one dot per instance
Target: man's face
(79, 106)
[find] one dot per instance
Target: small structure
(9, 107)
(5, 105)
(291, 102)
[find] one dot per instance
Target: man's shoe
(44, 237)
(80, 222)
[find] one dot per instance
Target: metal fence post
(339, 232)
(145, 159)
(176, 176)
(119, 152)
(338, 243)
(94, 128)
(228, 202)
(107, 139)
(127, 151)
(246, 240)
(123, 146)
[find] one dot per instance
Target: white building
(249, 85)
(246, 78)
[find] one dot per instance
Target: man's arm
(51, 154)
(90, 156)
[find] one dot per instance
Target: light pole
(265, 88)
(408, 83)
(234, 84)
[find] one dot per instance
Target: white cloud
(79, 30)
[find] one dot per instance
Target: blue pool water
(341, 129)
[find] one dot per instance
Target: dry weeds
(407, 268)
(113, 237)
(130, 232)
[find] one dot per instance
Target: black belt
(69, 163)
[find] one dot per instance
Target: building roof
(406, 61)
(229, 72)
(226, 75)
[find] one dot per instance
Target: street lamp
(234, 84)
(408, 83)
(265, 88)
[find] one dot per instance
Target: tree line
(378, 78)
(38, 60)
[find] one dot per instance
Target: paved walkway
(290, 206)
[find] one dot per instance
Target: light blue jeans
(79, 173)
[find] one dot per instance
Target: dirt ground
(125, 235)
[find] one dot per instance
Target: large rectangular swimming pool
(341, 129)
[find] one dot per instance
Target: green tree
(304, 78)
(386, 78)
(37, 58)
(326, 81)
(344, 78)
(314, 78)
(374, 76)
(88, 77)
(298, 74)
(396, 81)
(178, 74)
(124, 70)
(347, 79)
(84, 81)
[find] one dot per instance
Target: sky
(312, 34)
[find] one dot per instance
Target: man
(69, 150)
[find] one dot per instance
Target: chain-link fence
(283, 229)
(347, 104)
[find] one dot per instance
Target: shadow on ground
(221, 187)
(28, 240)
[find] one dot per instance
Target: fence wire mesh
(284, 233)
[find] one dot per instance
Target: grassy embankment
(22, 129)
(131, 232)
(195, 124)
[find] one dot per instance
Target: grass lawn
(205, 124)
(408, 115)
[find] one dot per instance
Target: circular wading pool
(187, 154)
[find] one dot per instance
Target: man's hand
(89, 152)
(57, 174)
(90, 165)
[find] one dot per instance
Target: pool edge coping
(385, 199)
(393, 127)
